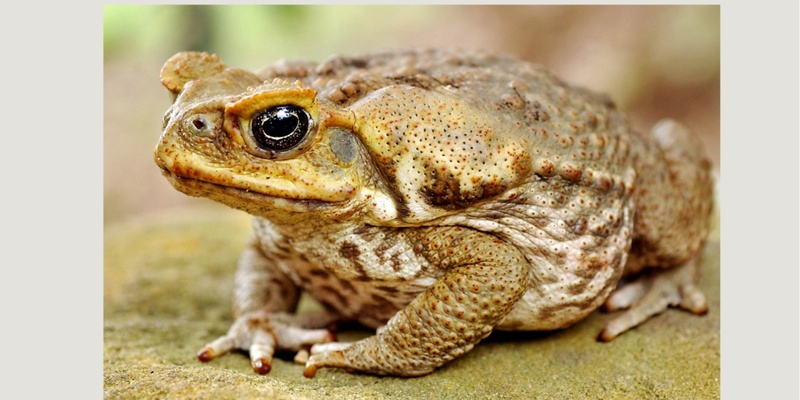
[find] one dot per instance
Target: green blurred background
(654, 61)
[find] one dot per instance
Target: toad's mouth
(252, 202)
(200, 188)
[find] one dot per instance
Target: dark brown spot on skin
(380, 251)
(346, 285)
(320, 273)
(396, 263)
(586, 273)
(392, 185)
(283, 246)
(546, 313)
(330, 292)
(585, 304)
(363, 276)
(388, 289)
(494, 215)
(350, 251)
(361, 230)
(443, 190)
(576, 289)
(402, 209)
(284, 291)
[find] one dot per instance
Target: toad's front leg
(264, 302)
(485, 277)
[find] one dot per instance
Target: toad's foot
(651, 294)
(261, 333)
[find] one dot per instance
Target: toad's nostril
(200, 125)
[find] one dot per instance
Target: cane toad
(434, 195)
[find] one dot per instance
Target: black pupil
(281, 127)
(282, 122)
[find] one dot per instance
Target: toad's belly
(363, 273)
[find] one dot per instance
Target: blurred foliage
(248, 34)
(597, 44)
(685, 46)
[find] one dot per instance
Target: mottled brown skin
(435, 195)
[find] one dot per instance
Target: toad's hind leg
(674, 202)
(651, 294)
(485, 277)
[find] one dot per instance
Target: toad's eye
(280, 127)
